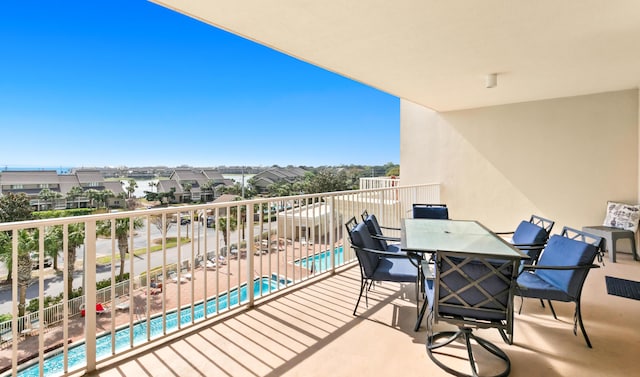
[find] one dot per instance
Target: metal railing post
(90, 294)
(251, 248)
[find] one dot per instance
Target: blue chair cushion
(563, 251)
(531, 285)
(396, 269)
(394, 248)
(528, 233)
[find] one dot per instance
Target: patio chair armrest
(543, 244)
(530, 246)
(504, 233)
(385, 238)
(531, 267)
(413, 257)
(389, 227)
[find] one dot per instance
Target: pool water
(53, 365)
(320, 262)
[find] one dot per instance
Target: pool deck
(220, 279)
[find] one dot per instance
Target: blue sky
(126, 82)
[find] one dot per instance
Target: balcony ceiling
(438, 53)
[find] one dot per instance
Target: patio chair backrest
(473, 289)
(430, 211)
(374, 228)
(564, 251)
(360, 240)
(529, 233)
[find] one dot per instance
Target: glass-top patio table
(465, 236)
(469, 238)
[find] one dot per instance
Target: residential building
(266, 178)
(32, 183)
(194, 185)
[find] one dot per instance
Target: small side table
(611, 236)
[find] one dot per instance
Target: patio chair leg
(421, 314)
(552, 311)
(521, 303)
(579, 318)
(363, 285)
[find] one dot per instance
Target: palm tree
(208, 187)
(93, 196)
(48, 196)
(104, 195)
(224, 224)
(75, 240)
(74, 193)
(27, 242)
(53, 244)
(131, 188)
(5, 252)
(122, 235)
(187, 188)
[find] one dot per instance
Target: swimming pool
(53, 365)
(321, 260)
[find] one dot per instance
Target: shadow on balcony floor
(310, 332)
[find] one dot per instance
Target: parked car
(35, 261)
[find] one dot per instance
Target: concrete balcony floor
(310, 331)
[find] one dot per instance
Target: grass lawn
(171, 242)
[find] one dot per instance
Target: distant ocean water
(60, 169)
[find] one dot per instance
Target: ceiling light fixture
(491, 80)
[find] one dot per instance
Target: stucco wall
(561, 158)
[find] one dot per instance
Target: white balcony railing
(223, 257)
(378, 182)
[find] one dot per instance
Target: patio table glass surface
(427, 235)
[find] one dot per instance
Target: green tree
(326, 180)
(74, 193)
(15, 207)
(281, 188)
(393, 171)
(122, 235)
